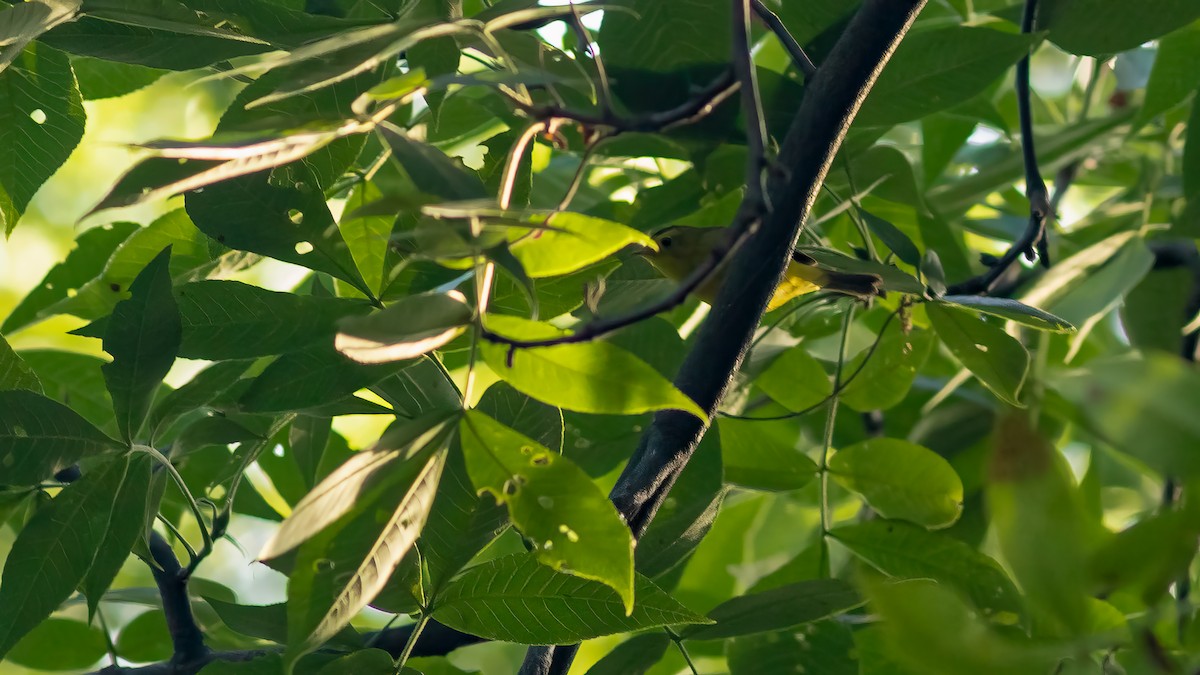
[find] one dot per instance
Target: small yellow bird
(681, 249)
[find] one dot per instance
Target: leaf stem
(205, 536)
(827, 442)
(678, 640)
(412, 641)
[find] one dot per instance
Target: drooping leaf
(41, 122)
(572, 524)
(41, 437)
(143, 338)
(54, 551)
(516, 599)
(1172, 78)
(22, 23)
(356, 483)
(572, 242)
(901, 480)
(1007, 308)
(777, 609)
(406, 329)
(996, 358)
(394, 543)
(431, 170)
(127, 522)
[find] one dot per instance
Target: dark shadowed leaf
(41, 437)
(143, 338)
(406, 329)
(777, 609)
(15, 373)
(825, 647)
(1096, 27)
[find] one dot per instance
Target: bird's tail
(862, 286)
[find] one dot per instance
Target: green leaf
(664, 36)
(201, 390)
(52, 554)
(1112, 268)
(540, 422)
(85, 261)
(59, 644)
(367, 235)
(686, 516)
(362, 662)
(1155, 311)
(1172, 78)
(572, 242)
(416, 325)
(952, 639)
(594, 377)
(634, 656)
(143, 338)
(127, 524)
(98, 296)
(1105, 27)
(1148, 556)
(310, 378)
(572, 524)
(777, 609)
(905, 551)
(396, 539)
(1142, 406)
(99, 79)
(20, 24)
(825, 647)
(1007, 308)
(358, 482)
(888, 375)
(41, 122)
(1040, 524)
(996, 358)
(516, 599)
(286, 220)
(937, 69)
(153, 47)
(307, 439)
(795, 380)
(15, 373)
(420, 387)
(431, 170)
(901, 480)
(753, 458)
(893, 238)
(1191, 161)
(233, 320)
(69, 377)
(42, 437)
(145, 639)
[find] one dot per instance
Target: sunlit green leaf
(996, 358)
(901, 480)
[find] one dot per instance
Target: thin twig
(754, 203)
(772, 21)
(830, 419)
(1031, 242)
(603, 90)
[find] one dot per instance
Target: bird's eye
(665, 242)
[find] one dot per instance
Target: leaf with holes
(517, 599)
(393, 544)
(41, 122)
(357, 482)
(572, 524)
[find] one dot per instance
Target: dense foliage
(987, 469)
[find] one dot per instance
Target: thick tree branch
(187, 640)
(830, 103)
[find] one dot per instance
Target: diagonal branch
(1032, 242)
(772, 20)
(830, 104)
